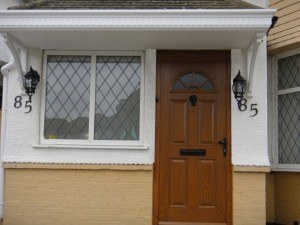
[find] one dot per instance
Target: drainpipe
(5, 71)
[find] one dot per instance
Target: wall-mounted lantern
(32, 79)
(239, 87)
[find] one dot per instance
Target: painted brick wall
(77, 197)
(249, 198)
(287, 197)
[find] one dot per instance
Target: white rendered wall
(249, 134)
(4, 58)
(23, 129)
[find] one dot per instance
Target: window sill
(103, 147)
(286, 168)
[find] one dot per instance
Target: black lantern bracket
(28, 81)
(239, 87)
(32, 79)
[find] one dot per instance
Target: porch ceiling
(135, 29)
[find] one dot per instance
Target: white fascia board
(238, 19)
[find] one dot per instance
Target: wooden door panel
(192, 189)
(178, 183)
(178, 121)
(207, 122)
(206, 183)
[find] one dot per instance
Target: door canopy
(135, 24)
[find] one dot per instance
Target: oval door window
(193, 81)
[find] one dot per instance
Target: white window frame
(90, 142)
(276, 166)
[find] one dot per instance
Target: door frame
(172, 54)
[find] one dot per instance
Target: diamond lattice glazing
(289, 111)
(288, 72)
(67, 97)
(289, 128)
(117, 105)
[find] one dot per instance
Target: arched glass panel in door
(193, 81)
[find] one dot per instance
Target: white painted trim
(108, 53)
(43, 82)
(288, 91)
(287, 167)
(91, 143)
(142, 99)
(258, 39)
(275, 93)
(102, 147)
(5, 71)
(14, 40)
(19, 53)
(274, 132)
(202, 19)
(92, 97)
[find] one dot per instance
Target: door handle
(193, 100)
(224, 143)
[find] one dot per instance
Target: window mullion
(275, 112)
(92, 98)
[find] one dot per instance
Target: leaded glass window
(289, 110)
(193, 81)
(74, 111)
(67, 97)
(117, 98)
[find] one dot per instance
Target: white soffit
(135, 29)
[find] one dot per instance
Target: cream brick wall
(249, 198)
(93, 196)
(77, 197)
(287, 197)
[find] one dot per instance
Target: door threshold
(189, 223)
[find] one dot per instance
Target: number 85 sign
(18, 104)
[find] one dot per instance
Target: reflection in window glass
(117, 106)
(67, 97)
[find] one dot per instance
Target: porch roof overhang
(136, 29)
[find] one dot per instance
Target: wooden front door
(192, 118)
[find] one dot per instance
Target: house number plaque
(18, 104)
(253, 108)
